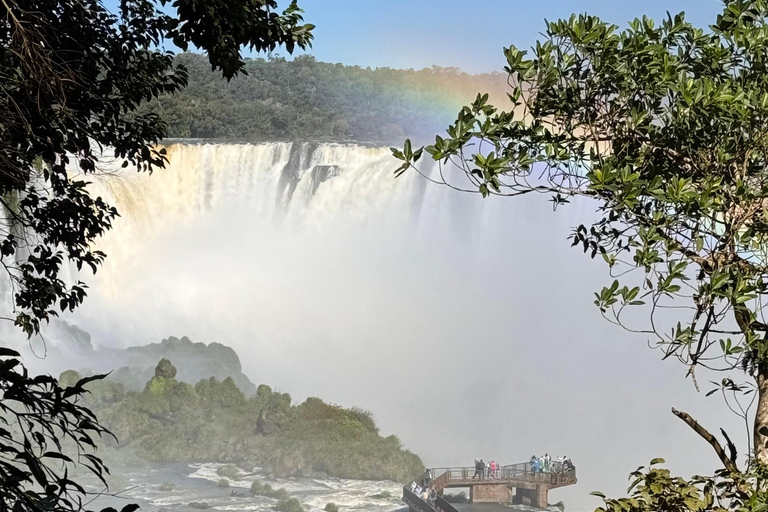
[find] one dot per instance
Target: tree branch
(731, 447)
(729, 464)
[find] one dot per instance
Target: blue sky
(469, 34)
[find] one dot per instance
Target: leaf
(657, 460)
(7, 352)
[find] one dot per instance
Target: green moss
(331, 507)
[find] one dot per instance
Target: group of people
(424, 491)
(545, 464)
(486, 469)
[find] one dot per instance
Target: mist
(465, 325)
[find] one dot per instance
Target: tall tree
(72, 75)
(665, 128)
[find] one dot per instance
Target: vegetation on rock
(289, 505)
(213, 421)
(261, 489)
(229, 471)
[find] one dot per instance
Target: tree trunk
(761, 416)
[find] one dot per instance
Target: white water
(466, 326)
(198, 483)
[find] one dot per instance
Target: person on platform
(478, 470)
(536, 465)
(432, 497)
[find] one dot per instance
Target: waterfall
(429, 307)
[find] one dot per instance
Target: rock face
(134, 366)
(195, 361)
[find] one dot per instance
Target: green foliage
(165, 369)
(331, 507)
(45, 428)
(171, 421)
(306, 99)
(664, 127)
(289, 505)
(73, 75)
(654, 489)
(260, 489)
(229, 471)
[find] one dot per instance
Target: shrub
(280, 494)
(289, 505)
(260, 489)
(331, 507)
(223, 483)
(229, 471)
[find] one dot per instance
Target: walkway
(516, 483)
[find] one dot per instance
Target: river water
(197, 484)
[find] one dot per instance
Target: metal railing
(442, 477)
(523, 471)
(415, 502)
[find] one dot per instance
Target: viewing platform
(517, 483)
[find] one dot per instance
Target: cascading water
(465, 325)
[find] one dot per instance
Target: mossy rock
(165, 369)
(280, 494)
(331, 507)
(166, 486)
(224, 482)
(229, 471)
(260, 489)
(289, 505)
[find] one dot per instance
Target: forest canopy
(307, 99)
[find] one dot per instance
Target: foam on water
(198, 483)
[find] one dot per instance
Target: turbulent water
(197, 484)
